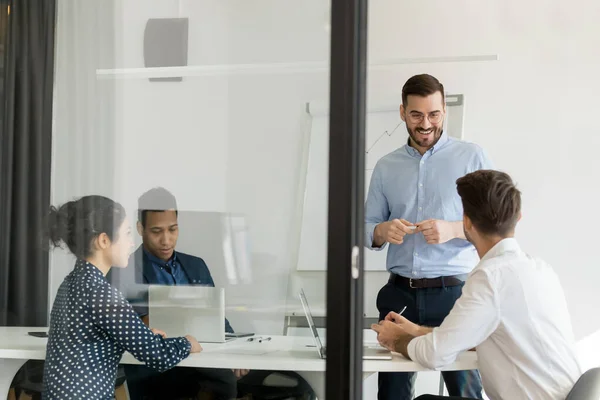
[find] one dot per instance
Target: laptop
(369, 353)
(188, 310)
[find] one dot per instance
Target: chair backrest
(587, 386)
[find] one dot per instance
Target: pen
(400, 313)
(259, 338)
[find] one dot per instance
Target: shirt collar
(88, 267)
(440, 143)
(157, 260)
(508, 245)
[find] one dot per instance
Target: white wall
(533, 111)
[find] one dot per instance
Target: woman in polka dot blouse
(91, 324)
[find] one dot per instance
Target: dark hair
(421, 85)
(77, 223)
(155, 200)
(491, 201)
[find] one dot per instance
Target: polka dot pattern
(91, 326)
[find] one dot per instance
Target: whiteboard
(385, 132)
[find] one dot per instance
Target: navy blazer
(133, 281)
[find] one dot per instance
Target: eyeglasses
(416, 117)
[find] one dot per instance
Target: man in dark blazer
(143, 265)
(157, 262)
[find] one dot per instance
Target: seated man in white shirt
(512, 308)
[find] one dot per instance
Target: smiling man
(413, 206)
(158, 262)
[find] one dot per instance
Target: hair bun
(58, 223)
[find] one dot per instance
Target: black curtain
(25, 160)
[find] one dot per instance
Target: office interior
(226, 105)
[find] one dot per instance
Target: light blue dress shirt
(407, 185)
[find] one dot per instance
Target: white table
(284, 353)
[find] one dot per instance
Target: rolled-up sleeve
(377, 209)
(473, 318)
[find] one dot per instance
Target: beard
(425, 141)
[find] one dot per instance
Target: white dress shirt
(513, 310)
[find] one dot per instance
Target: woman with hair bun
(91, 324)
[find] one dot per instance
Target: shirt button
(420, 208)
(416, 254)
(422, 162)
(420, 185)
(415, 273)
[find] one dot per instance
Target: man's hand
(437, 231)
(396, 332)
(393, 337)
(240, 373)
(392, 232)
(159, 332)
(407, 326)
(388, 333)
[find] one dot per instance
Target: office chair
(255, 387)
(28, 383)
(587, 386)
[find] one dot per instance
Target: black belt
(442, 281)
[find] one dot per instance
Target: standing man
(413, 206)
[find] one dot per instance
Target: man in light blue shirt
(414, 209)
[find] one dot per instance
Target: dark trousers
(180, 382)
(427, 307)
